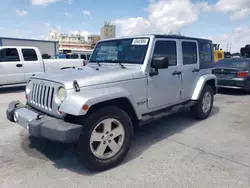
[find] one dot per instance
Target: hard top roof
(160, 36)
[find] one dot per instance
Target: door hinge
(148, 81)
(181, 92)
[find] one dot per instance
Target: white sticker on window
(140, 42)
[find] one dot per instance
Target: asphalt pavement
(175, 151)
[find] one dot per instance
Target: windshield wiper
(121, 65)
(96, 61)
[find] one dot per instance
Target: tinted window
(83, 56)
(9, 54)
(29, 55)
(233, 63)
(88, 56)
(73, 56)
(189, 52)
(205, 53)
(166, 48)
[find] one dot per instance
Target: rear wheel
(202, 109)
(105, 139)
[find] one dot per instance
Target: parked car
(233, 73)
(84, 56)
(128, 82)
(18, 64)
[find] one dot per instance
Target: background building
(75, 41)
(107, 31)
(44, 46)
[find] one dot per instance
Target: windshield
(131, 51)
(233, 63)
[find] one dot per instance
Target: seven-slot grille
(42, 95)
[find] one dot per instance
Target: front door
(190, 67)
(164, 88)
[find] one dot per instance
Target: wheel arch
(204, 80)
(121, 102)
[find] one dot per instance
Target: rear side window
(29, 55)
(166, 48)
(205, 53)
(9, 54)
(73, 56)
(83, 56)
(189, 52)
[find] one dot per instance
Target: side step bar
(147, 118)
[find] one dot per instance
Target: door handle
(196, 70)
(19, 65)
(176, 73)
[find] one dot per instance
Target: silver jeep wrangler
(129, 81)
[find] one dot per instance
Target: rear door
(11, 66)
(33, 64)
(190, 67)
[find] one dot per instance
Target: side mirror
(160, 62)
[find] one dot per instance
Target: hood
(89, 76)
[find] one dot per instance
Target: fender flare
(201, 83)
(73, 103)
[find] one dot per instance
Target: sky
(223, 21)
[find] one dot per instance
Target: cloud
(241, 14)
(133, 26)
(239, 37)
(68, 15)
(42, 2)
(87, 13)
(21, 12)
(46, 2)
(70, 1)
(239, 9)
(163, 17)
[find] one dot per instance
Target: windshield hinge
(76, 86)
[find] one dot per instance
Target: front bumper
(42, 125)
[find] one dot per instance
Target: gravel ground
(176, 151)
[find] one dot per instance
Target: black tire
(197, 110)
(83, 150)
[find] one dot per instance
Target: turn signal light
(85, 107)
(242, 74)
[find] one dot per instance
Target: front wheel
(203, 108)
(105, 139)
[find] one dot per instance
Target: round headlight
(61, 93)
(28, 87)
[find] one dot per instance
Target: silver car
(129, 81)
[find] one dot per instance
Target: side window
(9, 54)
(29, 55)
(166, 48)
(73, 56)
(83, 56)
(219, 55)
(88, 56)
(205, 53)
(189, 52)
